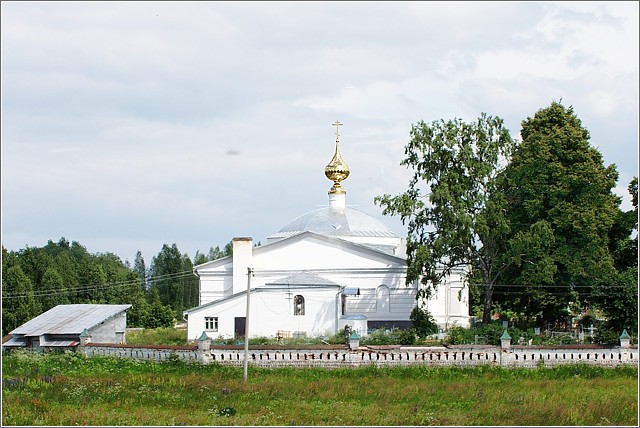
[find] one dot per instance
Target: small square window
(211, 323)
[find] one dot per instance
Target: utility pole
(246, 325)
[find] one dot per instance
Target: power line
(95, 287)
(570, 287)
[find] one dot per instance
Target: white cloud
(192, 122)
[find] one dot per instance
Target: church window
(298, 305)
(211, 323)
(382, 299)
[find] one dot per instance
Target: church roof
(303, 279)
(336, 222)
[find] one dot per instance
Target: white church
(325, 269)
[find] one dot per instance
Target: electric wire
(95, 287)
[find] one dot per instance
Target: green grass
(158, 336)
(69, 389)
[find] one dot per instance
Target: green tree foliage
(171, 274)
(423, 322)
(140, 309)
(67, 268)
(95, 279)
(556, 179)
(35, 261)
(140, 268)
(622, 246)
(159, 315)
(199, 258)
(216, 253)
(617, 293)
(453, 206)
(53, 291)
(36, 279)
(18, 302)
(61, 273)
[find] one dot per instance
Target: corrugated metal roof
(15, 341)
(57, 343)
(69, 319)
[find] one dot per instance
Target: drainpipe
(447, 290)
(338, 307)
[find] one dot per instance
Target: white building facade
(325, 269)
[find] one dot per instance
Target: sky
(129, 125)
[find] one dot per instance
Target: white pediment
(309, 251)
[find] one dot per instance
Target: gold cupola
(337, 170)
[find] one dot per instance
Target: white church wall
(215, 287)
(347, 268)
(450, 305)
(270, 311)
(382, 303)
(364, 304)
(314, 253)
(342, 263)
(224, 311)
(402, 301)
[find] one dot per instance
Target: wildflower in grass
(227, 411)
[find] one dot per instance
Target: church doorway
(240, 326)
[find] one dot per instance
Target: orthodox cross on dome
(337, 170)
(337, 124)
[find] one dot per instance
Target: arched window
(298, 305)
(382, 299)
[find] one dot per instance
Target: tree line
(536, 221)
(35, 279)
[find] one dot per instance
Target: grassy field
(68, 389)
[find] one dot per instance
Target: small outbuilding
(65, 326)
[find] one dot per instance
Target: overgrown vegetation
(69, 389)
(481, 335)
(158, 336)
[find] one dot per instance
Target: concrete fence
(153, 353)
(517, 356)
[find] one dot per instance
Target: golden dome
(337, 170)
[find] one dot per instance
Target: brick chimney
(242, 258)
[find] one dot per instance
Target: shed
(62, 326)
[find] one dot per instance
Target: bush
(423, 322)
(490, 334)
(458, 336)
(261, 340)
(338, 338)
(157, 336)
(607, 336)
(562, 339)
(406, 337)
(159, 316)
(379, 337)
